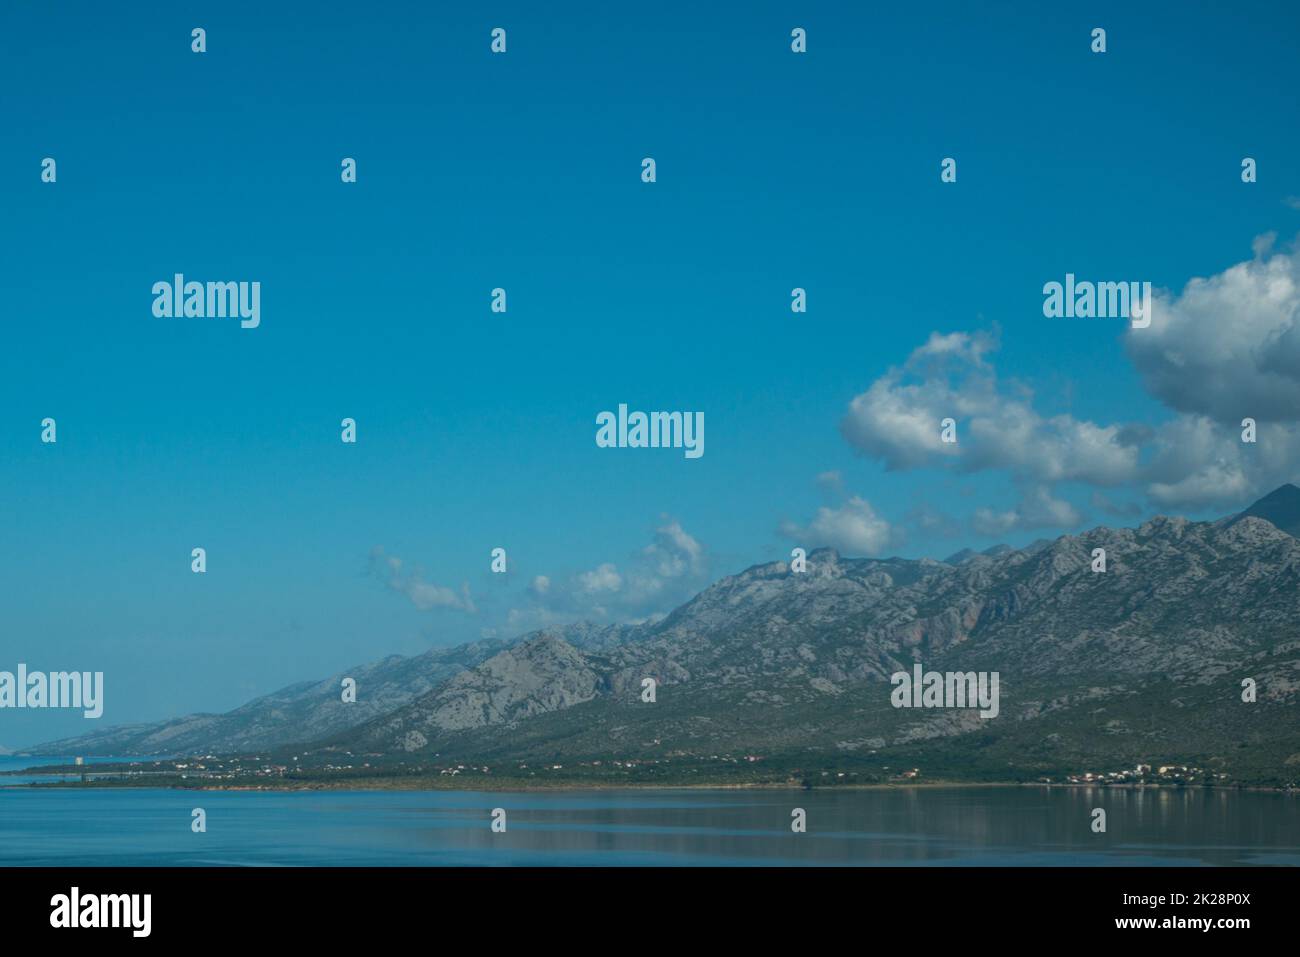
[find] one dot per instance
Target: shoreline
(522, 787)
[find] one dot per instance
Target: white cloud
(898, 420)
(1229, 346)
(654, 580)
(1037, 509)
(853, 528)
(423, 595)
(932, 522)
(603, 578)
(674, 552)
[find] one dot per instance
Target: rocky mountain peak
(1280, 507)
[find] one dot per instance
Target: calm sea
(912, 826)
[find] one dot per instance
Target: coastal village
(255, 771)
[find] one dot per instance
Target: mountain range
(1099, 670)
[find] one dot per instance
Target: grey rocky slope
(309, 708)
(1143, 660)
(314, 709)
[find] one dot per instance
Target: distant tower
(80, 761)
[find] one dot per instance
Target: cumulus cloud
(674, 553)
(853, 528)
(932, 522)
(895, 420)
(422, 594)
(1229, 346)
(1197, 461)
(898, 421)
(1037, 509)
(653, 581)
(604, 578)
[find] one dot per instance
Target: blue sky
(522, 170)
